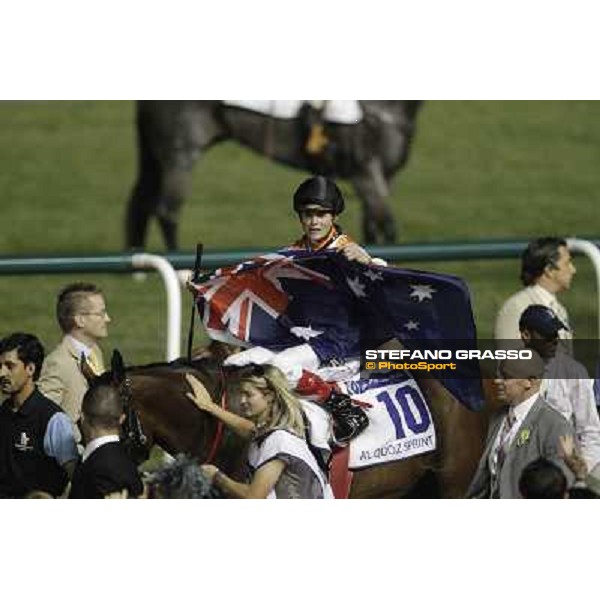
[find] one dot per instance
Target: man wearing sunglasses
(83, 318)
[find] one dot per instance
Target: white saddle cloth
(347, 112)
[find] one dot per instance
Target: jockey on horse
(317, 201)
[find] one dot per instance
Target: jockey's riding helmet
(320, 191)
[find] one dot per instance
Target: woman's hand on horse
(209, 471)
(199, 396)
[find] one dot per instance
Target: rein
(133, 432)
(220, 427)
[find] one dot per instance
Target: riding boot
(349, 420)
(312, 122)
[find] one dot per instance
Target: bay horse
(171, 135)
(156, 394)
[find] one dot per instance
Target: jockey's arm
(262, 483)
(201, 398)
(290, 361)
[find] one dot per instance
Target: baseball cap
(542, 320)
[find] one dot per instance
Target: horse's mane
(179, 364)
(207, 368)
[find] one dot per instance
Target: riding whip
(195, 275)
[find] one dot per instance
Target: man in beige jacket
(546, 271)
(83, 319)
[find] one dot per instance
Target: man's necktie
(504, 437)
(94, 363)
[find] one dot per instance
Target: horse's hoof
(139, 276)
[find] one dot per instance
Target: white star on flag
(422, 292)
(305, 333)
(373, 275)
(411, 326)
(357, 287)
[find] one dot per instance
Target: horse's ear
(117, 367)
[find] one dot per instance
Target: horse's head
(132, 434)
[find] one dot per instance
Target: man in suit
(567, 386)
(546, 270)
(526, 429)
(83, 318)
(105, 467)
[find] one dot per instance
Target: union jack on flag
(244, 303)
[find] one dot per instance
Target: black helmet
(321, 191)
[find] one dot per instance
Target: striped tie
(500, 454)
(94, 363)
(504, 437)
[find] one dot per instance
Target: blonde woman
(280, 461)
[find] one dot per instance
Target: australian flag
(340, 307)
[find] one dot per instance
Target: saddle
(336, 149)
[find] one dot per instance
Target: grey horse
(171, 135)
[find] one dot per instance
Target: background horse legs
(373, 189)
(174, 189)
(159, 193)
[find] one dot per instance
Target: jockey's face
(316, 222)
(255, 401)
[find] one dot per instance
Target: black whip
(195, 276)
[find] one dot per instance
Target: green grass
(479, 170)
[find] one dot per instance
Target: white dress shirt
(568, 389)
(520, 411)
(80, 346)
(97, 443)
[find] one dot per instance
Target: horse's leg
(144, 195)
(136, 221)
(195, 128)
(174, 189)
(372, 188)
(460, 433)
(171, 136)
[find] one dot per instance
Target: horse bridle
(132, 431)
(220, 427)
